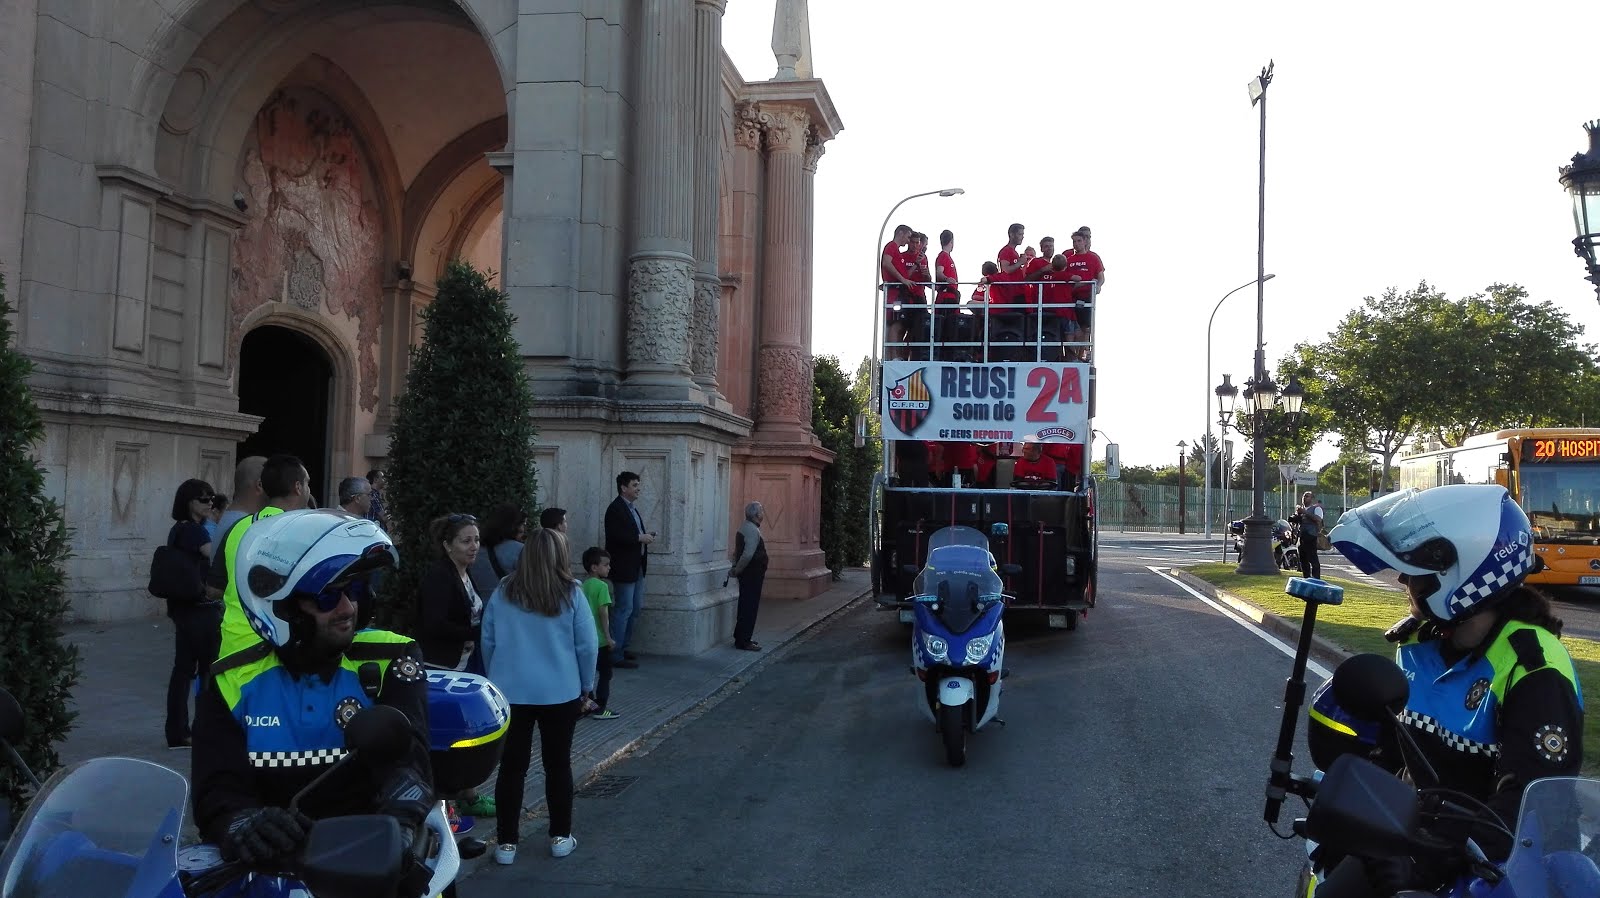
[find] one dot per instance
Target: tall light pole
(1211, 452)
(1183, 446)
(1257, 528)
(877, 268)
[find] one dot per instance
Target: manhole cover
(605, 786)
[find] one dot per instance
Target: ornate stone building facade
(219, 219)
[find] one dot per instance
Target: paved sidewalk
(121, 694)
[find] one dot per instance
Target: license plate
(906, 616)
(1589, 581)
(1059, 621)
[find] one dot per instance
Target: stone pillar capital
(787, 129)
(717, 6)
(813, 153)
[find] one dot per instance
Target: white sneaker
(505, 855)
(561, 846)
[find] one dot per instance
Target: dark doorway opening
(287, 379)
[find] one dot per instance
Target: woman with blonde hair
(540, 646)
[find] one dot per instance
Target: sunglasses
(330, 597)
(460, 518)
(202, 498)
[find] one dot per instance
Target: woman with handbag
(177, 574)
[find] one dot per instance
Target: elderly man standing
(750, 566)
(355, 496)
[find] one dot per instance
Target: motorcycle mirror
(379, 734)
(353, 857)
(1011, 570)
(1362, 809)
(11, 719)
(1371, 687)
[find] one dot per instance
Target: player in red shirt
(918, 271)
(963, 457)
(944, 270)
(1083, 265)
(1069, 458)
(1033, 270)
(1033, 463)
(891, 267)
(1011, 265)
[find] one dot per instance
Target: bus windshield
(1562, 500)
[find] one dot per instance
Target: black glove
(405, 798)
(263, 835)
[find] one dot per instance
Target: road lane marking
(1281, 646)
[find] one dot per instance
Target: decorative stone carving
(750, 123)
(783, 379)
(813, 153)
(305, 279)
(660, 309)
(786, 129)
(707, 314)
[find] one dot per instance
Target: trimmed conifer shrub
(37, 667)
(463, 436)
(847, 483)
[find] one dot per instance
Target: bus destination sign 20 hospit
(1555, 449)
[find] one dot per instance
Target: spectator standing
(1312, 519)
(451, 608)
(379, 511)
(503, 530)
(213, 521)
(196, 622)
(248, 495)
(597, 567)
(628, 542)
(355, 496)
(541, 649)
(554, 519)
(750, 567)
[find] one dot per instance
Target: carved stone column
(708, 186)
(785, 363)
(661, 299)
(813, 155)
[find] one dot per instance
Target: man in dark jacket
(750, 566)
(628, 543)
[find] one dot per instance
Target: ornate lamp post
(1262, 396)
(1582, 181)
(1227, 396)
(1257, 527)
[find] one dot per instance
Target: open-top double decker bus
(960, 398)
(1553, 473)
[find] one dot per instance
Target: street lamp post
(1257, 528)
(1582, 181)
(1182, 446)
(1211, 451)
(877, 260)
(1227, 396)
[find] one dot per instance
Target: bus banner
(996, 402)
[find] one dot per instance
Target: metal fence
(1145, 507)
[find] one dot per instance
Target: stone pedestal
(787, 480)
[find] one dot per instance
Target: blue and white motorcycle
(958, 643)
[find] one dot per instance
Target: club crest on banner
(909, 401)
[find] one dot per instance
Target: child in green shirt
(597, 564)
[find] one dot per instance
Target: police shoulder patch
(1552, 743)
(346, 710)
(408, 670)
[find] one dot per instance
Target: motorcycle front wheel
(954, 732)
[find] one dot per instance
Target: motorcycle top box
(467, 721)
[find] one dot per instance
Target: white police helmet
(316, 553)
(1470, 542)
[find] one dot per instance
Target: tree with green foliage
(38, 667)
(846, 484)
(463, 435)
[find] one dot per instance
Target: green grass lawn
(1358, 626)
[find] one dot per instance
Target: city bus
(1552, 472)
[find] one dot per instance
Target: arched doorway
(287, 379)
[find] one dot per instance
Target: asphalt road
(1133, 764)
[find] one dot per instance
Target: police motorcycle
(1359, 811)
(1285, 543)
(958, 642)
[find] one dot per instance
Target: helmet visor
(1406, 528)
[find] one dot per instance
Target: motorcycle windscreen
(1558, 838)
(106, 827)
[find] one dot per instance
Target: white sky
(1405, 141)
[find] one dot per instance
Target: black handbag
(177, 575)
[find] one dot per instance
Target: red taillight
(994, 677)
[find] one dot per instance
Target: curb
(587, 767)
(1323, 651)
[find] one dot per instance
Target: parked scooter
(1285, 543)
(958, 642)
(111, 826)
(1358, 811)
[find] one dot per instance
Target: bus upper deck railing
(1036, 329)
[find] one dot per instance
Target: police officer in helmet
(271, 716)
(1495, 702)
